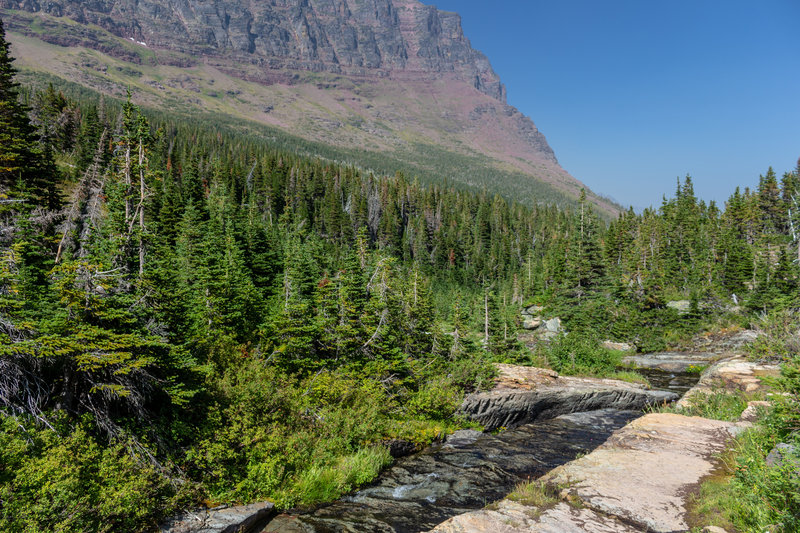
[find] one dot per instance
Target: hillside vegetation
(191, 314)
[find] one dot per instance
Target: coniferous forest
(189, 315)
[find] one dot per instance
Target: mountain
(379, 80)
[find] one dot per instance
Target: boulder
(782, 454)
(681, 306)
(646, 473)
(241, 519)
(533, 310)
(526, 394)
(553, 325)
(618, 346)
(531, 322)
(726, 341)
(753, 411)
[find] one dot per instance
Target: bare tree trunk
(141, 209)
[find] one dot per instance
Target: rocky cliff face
(354, 37)
(394, 79)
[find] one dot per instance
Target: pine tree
(25, 168)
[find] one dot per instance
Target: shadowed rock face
(358, 37)
(526, 394)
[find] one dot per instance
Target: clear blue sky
(632, 94)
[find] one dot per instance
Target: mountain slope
(389, 77)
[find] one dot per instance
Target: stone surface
(681, 306)
(671, 361)
(733, 374)
(619, 346)
(457, 477)
(553, 325)
(241, 519)
(533, 310)
(531, 322)
(724, 342)
(645, 473)
(339, 36)
(512, 517)
(525, 394)
(754, 411)
(781, 454)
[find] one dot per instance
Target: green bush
(51, 481)
(437, 399)
(575, 354)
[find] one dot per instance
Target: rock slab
(526, 394)
(241, 519)
(646, 471)
(512, 517)
(733, 374)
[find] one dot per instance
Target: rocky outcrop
(645, 472)
(341, 36)
(734, 374)
(241, 519)
(512, 517)
(671, 361)
(526, 394)
(640, 479)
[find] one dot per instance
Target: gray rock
(324, 35)
(526, 394)
(462, 437)
(670, 361)
(553, 325)
(618, 346)
(681, 306)
(241, 519)
(531, 322)
(783, 454)
(533, 310)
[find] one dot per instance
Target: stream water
(468, 471)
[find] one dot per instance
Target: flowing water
(468, 471)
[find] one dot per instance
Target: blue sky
(632, 94)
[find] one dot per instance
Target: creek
(466, 472)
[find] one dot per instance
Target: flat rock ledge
(525, 394)
(639, 480)
(733, 374)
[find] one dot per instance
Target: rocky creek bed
(617, 471)
(552, 420)
(468, 471)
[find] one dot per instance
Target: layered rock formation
(358, 37)
(526, 394)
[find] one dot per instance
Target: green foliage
(211, 299)
(717, 405)
(69, 480)
(576, 354)
(752, 496)
(436, 400)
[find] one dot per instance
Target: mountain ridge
(378, 75)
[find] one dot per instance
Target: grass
(533, 494)
(717, 405)
(327, 483)
(746, 495)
